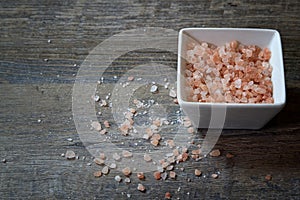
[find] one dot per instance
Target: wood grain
(32, 89)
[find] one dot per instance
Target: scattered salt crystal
(96, 125)
(98, 174)
(172, 174)
(154, 142)
(147, 158)
(116, 157)
(62, 155)
(172, 93)
(127, 180)
(99, 161)
(157, 175)
(103, 132)
(153, 88)
(88, 164)
(160, 169)
(128, 195)
(118, 178)
(214, 176)
(130, 78)
(196, 151)
(164, 175)
(126, 154)
(113, 166)
(70, 155)
(49, 41)
(198, 172)
(70, 139)
(190, 130)
(268, 177)
(229, 155)
(105, 170)
(39, 120)
(106, 124)
(4, 160)
(141, 187)
(168, 195)
(187, 123)
(103, 103)
(170, 167)
(96, 98)
(102, 156)
(215, 153)
(126, 171)
(141, 175)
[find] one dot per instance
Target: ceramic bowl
(232, 115)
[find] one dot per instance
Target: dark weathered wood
(33, 89)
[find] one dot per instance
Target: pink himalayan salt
(232, 73)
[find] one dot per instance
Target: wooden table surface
(43, 44)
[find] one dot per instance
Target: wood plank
(36, 118)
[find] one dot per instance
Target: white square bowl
(232, 115)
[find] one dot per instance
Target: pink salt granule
(232, 73)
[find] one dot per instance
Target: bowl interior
(219, 36)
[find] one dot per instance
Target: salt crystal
(118, 178)
(160, 169)
(157, 175)
(268, 177)
(126, 154)
(105, 170)
(214, 176)
(106, 124)
(141, 187)
(172, 93)
(153, 88)
(238, 83)
(96, 98)
(103, 103)
(113, 166)
(98, 174)
(190, 130)
(168, 195)
(103, 132)
(70, 155)
(127, 180)
(130, 78)
(116, 157)
(172, 174)
(147, 158)
(96, 125)
(141, 175)
(215, 153)
(164, 175)
(198, 172)
(99, 161)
